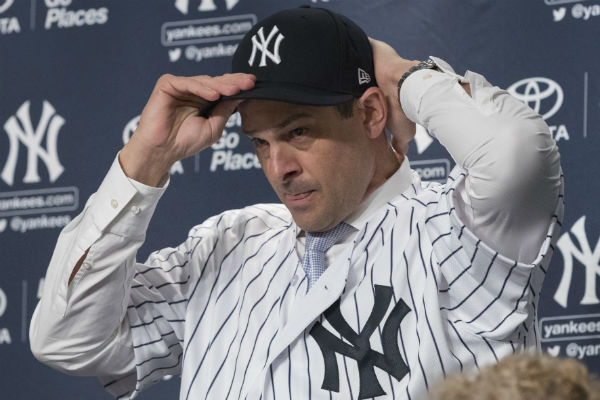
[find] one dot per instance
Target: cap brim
(291, 94)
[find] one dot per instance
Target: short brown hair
(521, 377)
(346, 109)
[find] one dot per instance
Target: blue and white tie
(317, 243)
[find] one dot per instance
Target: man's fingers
(227, 85)
(221, 113)
(183, 88)
(382, 48)
(222, 88)
(205, 87)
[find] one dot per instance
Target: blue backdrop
(74, 76)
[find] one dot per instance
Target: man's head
(522, 376)
(315, 115)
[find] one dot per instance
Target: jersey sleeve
(117, 319)
(481, 290)
(494, 224)
(157, 304)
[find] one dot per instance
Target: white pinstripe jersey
(228, 308)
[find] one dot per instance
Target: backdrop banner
(75, 75)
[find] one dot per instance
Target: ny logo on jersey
(263, 46)
(588, 258)
(49, 125)
(360, 349)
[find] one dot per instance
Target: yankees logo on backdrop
(359, 348)
(3, 302)
(580, 250)
(263, 46)
(24, 133)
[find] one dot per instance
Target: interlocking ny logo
(49, 125)
(588, 258)
(360, 349)
(263, 46)
(205, 5)
(3, 302)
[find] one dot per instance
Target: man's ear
(374, 110)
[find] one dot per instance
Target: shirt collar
(393, 187)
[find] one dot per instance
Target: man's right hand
(170, 128)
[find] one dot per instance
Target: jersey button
(294, 280)
(135, 210)
(114, 203)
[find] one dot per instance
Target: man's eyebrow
(283, 123)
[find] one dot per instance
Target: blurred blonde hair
(523, 377)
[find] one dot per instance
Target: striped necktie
(317, 243)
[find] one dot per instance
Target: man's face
(319, 164)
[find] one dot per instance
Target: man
(366, 282)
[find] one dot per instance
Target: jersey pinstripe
(229, 310)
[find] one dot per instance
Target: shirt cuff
(418, 83)
(122, 205)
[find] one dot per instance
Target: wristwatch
(427, 64)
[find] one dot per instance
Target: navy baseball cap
(307, 56)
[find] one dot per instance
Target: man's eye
(258, 142)
(298, 132)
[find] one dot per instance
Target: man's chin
(313, 223)
(304, 221)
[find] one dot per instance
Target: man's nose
(283, 162)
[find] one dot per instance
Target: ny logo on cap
(263, 46)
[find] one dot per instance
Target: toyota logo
(533, 92)
(5, 5)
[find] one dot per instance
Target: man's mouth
(299, 198)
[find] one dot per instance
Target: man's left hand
(389, 68)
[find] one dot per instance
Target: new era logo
(363, 77)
